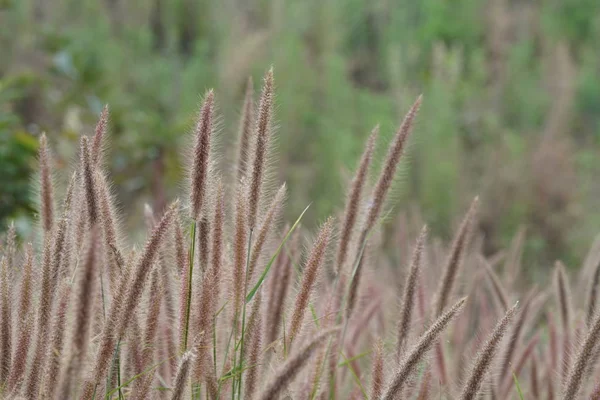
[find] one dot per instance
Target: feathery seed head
(47, 192)
(455, 258)
(410, 289)
(182, 375)
(262, 136)
(484, 359)
(377, 373)
(353, 201)
(309, 276)
(386, 177)
(99, 134)
(295, 362)
(245, 130)
(89, 183)
(410, 362)
(200, 166)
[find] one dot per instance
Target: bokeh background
(511, 109)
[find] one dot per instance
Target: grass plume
(419, 350)
(484, 360)
(313, 264)
(200, 164)
(286, 373)
(408, 299)
(262, 137)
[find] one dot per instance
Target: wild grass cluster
(226, 300)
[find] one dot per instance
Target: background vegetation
(511, 110)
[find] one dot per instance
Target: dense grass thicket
(226, 301)
(513, 110)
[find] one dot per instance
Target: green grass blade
(518, 386)
(268, 267)
(355, 377)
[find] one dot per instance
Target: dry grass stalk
(410, 362)
(410, 288)
(203, 245)
(484, 360)
(384, 182)
(182, 375)
(309, 276)
(217, 247)
(245, 130)
(262, 136)
(109, 227)
(43, 320)
(11, 246)
(563, 297)
(292, 366)
(24, 322)
(377, 371)
(240, 246)
(46, 189)
(353, 202)
(19, 365)
(254, 348)
(497, 288)
(201, 162)
(593, 295)
(265, 228)
(89, 182)
(514, 338)
(55, 350)
(586, 352)
(84, 306)
(126, 301)
(142, 385)
(279, 285)
(386, 177)
(455, 259)
(83, 244)
(99, 135)
(7, 321)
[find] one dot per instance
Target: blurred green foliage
(505, 82)
(17, 148)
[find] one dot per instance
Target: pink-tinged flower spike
(293, 365)
(484, 360)
(245, 130)
(309, 276)
(46, 189)
(99, 134)
(262, 136)
(414, 356)
(201, 162)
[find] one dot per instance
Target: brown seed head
(419, 350)
(486, 356)
(353, 201)
(89, 183)
(245, 130)
(47, 193)
(309, 276)
(295, 362)
(99, 134)
(263, 122)
(410, 288)
(455, 259)
(200, 166)
(386, 177)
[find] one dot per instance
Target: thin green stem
(189, 291)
